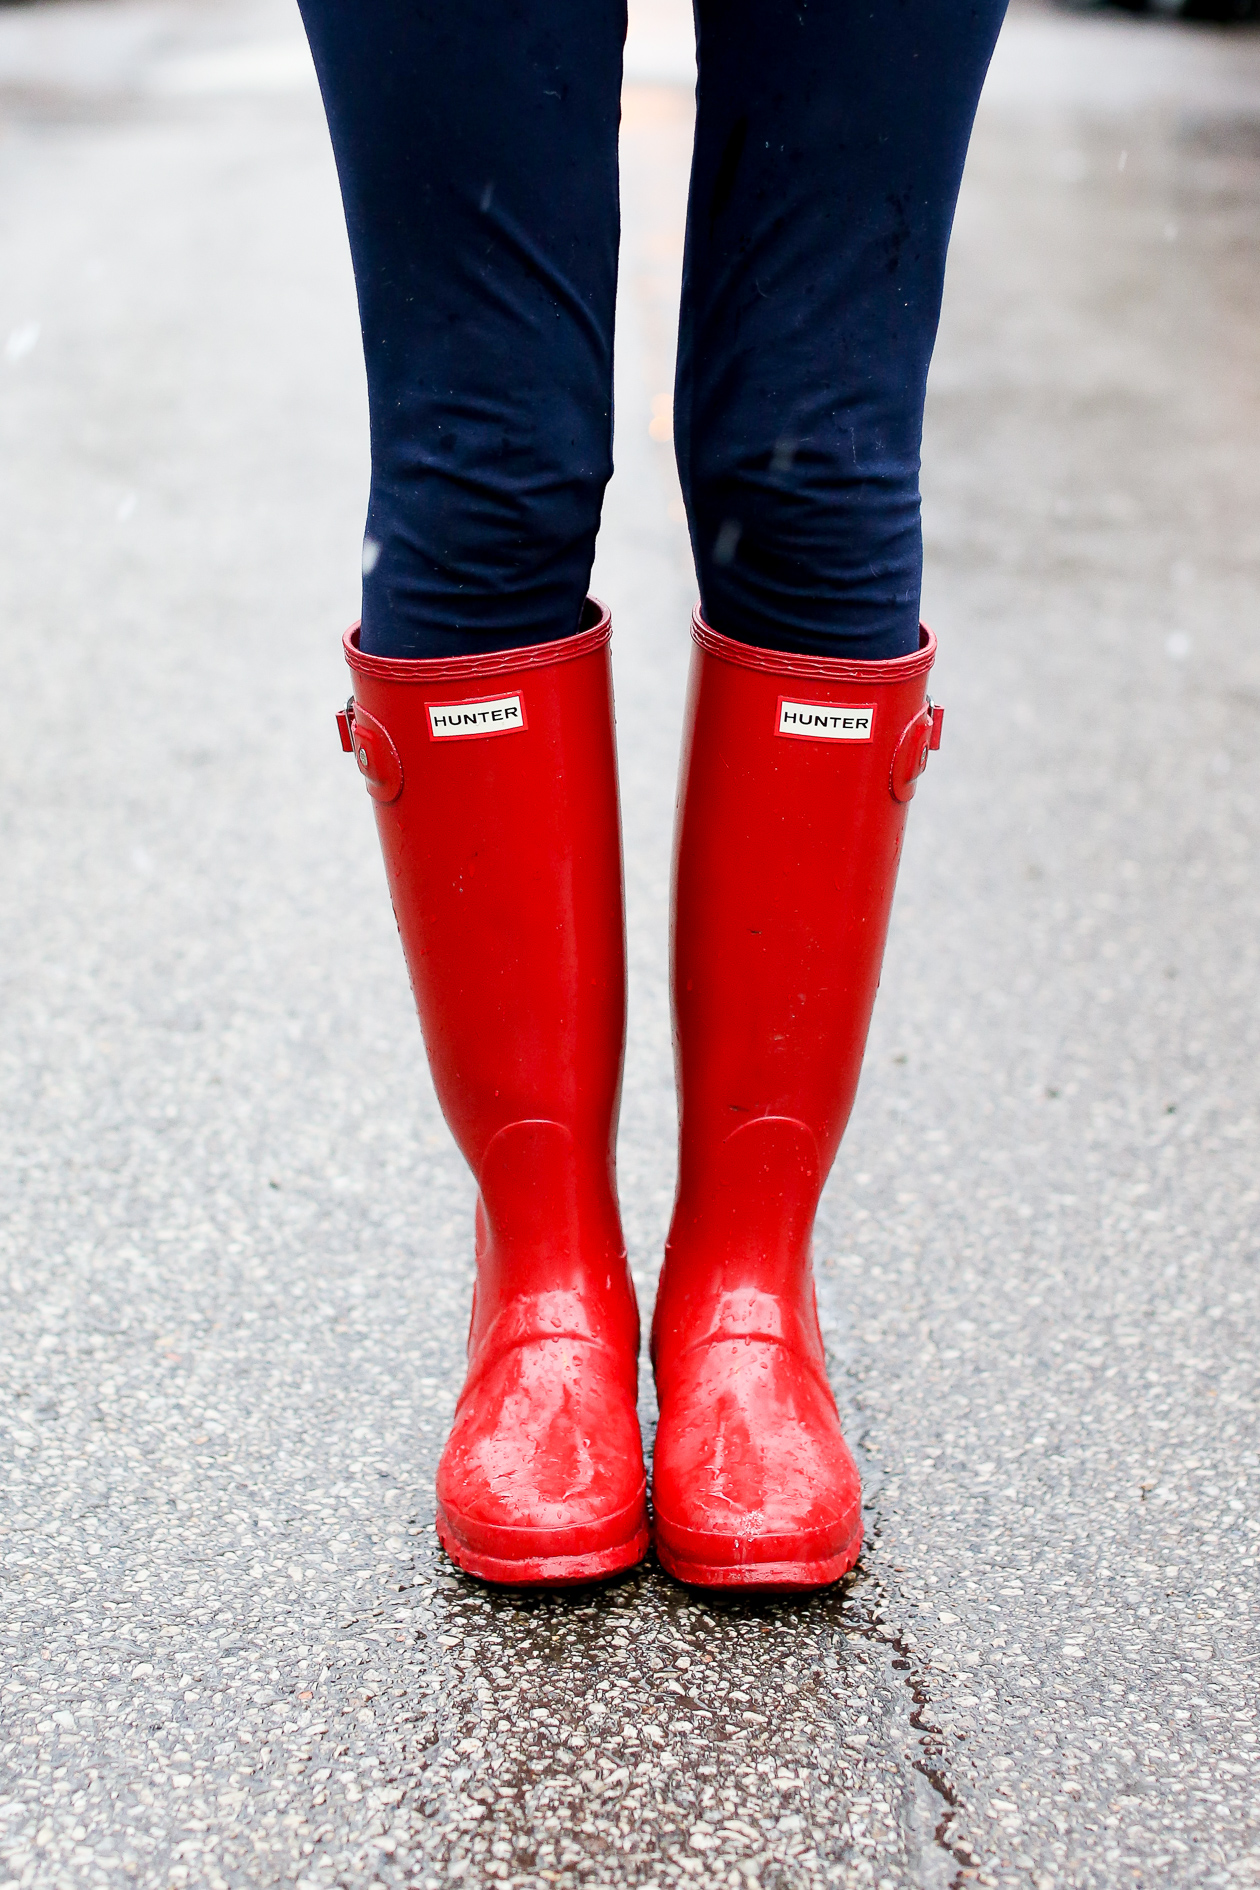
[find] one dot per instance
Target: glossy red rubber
(495, 790)
(796, 773)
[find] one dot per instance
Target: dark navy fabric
(477, 150)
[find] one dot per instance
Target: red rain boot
(796, 772)
(495, 784)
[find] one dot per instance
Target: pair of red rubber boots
(495, 784)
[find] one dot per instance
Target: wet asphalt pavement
(234, 1260)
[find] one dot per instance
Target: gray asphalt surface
(234, 1262)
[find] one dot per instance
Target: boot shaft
(494, 785)
(496, 805)
(795, 781)
(792, 807)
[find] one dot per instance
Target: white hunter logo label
(826, 721)
(492, 715)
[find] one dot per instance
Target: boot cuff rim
(594, 635)
(838, 669)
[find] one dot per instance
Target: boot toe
(753, 1485)
(542, 1477)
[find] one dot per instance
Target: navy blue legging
(476, 142)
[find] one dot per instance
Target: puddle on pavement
(641, 1734)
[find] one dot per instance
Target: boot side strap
(373, 749)
(920, 738)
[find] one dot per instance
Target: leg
(829, 150)
(478, 163)
(477, 150)
(828, 155)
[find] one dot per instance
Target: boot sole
(785, 1576)
(522, 1570)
